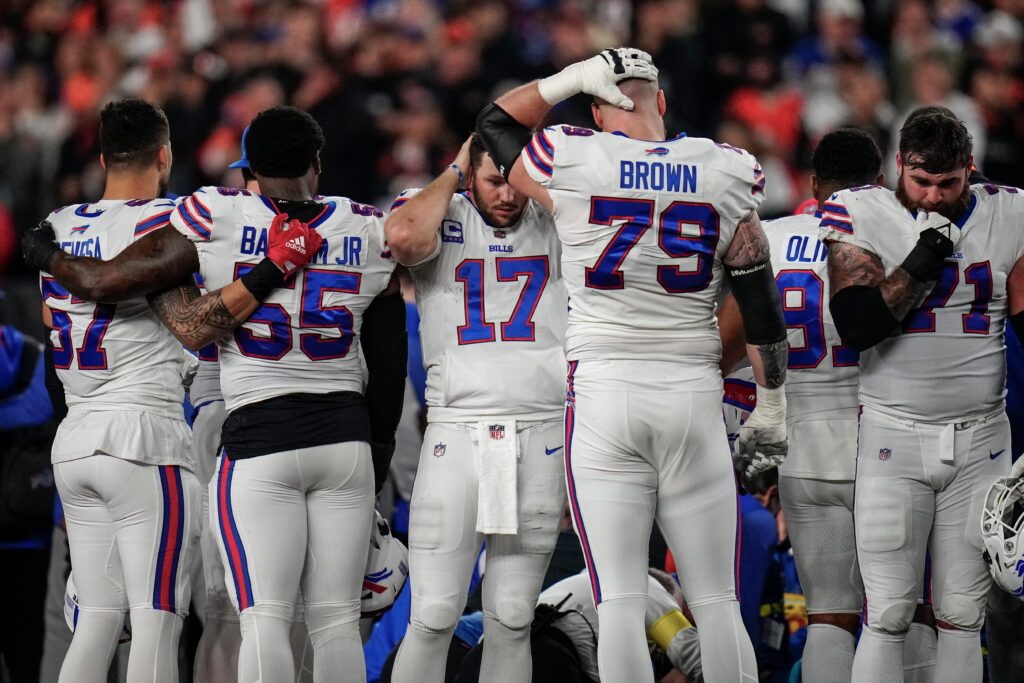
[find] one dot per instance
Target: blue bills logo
(657, 151)
(884, 453)
(439, 450)
(497, 432)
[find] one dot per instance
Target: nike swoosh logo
(993, 456)
(549, 451)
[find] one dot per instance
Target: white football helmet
(71, 610)
(387, 569)
(1002, 522)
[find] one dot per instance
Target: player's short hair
(283, 142)
(131, 133)
(935, 140)
(847, 157)
(476, 150)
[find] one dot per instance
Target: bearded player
(485, 262)
(923, 281)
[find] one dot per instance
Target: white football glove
(1017, 471)
(946, 227)
(761, 444)
(598, 76)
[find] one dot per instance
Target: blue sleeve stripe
(543, 167)
(399, 202)
(836, 209)
(152, 223)
(201, 209)
(838, 225)
(545, 144)
(192, 223)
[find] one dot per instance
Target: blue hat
(244, 161)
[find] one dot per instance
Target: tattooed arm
(851, 265)
(750, 274)
(162, 259)
(199, 319)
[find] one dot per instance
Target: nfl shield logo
(497, 432)
(439, 450)
(884, 453)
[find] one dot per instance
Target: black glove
(924, 262)
(38, 246)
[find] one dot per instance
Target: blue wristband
(462, 179)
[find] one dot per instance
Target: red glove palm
(291, 244)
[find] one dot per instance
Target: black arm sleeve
(503, 136)
(861, 316)
(386, 350)
(759, 302)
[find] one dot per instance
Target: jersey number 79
(638, 215)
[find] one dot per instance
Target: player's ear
(163, 157)
(662, 105)
(899, 163)
(317, 167)
(103, 162)
(881, 180)
(595, 111)
(814, 186)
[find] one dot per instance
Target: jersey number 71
(638, 215)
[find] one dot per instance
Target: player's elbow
(404, 239)
(861, 316)
(101, 288)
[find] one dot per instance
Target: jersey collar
(965, 216)
(623, 135)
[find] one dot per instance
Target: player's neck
(132, 184)
(289, 189)
(640, 130)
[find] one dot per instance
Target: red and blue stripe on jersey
(541, 153)
(834, 215)
(148, 225)
(196, 215)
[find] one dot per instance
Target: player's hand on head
(39, 244)
(463, 157)
(599, 76)
(291, 244)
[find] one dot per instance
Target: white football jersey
(822, 375)
(304, 338)
(643, 227)
(111, 356)
(946, 363)
(492, 317)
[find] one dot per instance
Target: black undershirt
(287, 423)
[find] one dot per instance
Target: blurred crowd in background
(396, 84)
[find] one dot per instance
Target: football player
(650, 227)
(922, 282)
(122, 457)
(485, 262)
(816, 480)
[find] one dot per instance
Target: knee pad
(514, 612)
(894, 617)
(435, 616)
(962, 611)
(330, 615)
